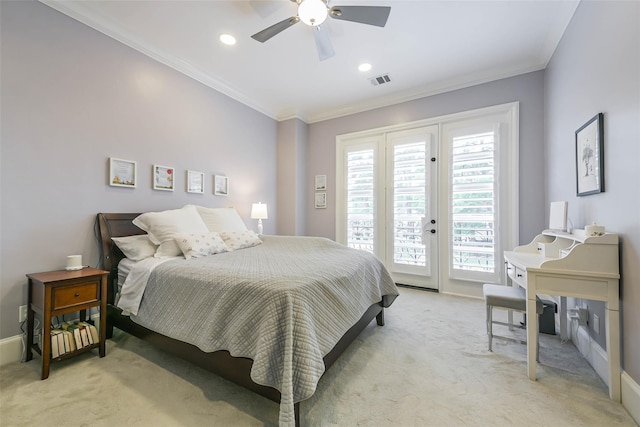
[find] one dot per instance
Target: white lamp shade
(312, 12)
(259, 211)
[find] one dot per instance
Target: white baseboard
(630, 396)
(592, 352)
(11, 350)
(597, 358)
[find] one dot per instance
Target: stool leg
(490, 324)
(486, 320)
(538, 342)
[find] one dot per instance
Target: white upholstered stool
(508, 298)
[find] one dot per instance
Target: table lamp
(259, 212)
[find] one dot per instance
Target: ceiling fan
(315, 12)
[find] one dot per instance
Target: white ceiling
(427, 47)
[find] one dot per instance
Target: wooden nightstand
(54, 293)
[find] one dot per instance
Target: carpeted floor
(428, 366)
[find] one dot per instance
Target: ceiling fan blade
(267, 33)
(323, 43)
(370, 15)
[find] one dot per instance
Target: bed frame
(235, 369)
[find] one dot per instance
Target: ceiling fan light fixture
(312, 12)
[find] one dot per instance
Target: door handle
(425, 228)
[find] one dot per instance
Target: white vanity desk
(570, 265)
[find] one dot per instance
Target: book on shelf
(94, 333)
(86, 327)
(54, 345)
(76, 335)
(69, 340)
(84, 338)
(57, 343)
(67, 345)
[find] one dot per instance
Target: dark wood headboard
(114, 225)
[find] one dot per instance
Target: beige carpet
(428, 366)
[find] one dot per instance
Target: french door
(436, 200)
(389, 201)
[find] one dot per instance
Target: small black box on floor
(547, 320)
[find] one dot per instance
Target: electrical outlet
(580, 314)
(583, 316)
(22, 313)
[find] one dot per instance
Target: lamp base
(259, 226)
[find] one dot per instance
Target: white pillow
(221, 219)
(161, 226)
(135, 248)
(168, 248)
(240, 239)
(199, 245)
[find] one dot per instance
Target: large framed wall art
(590, 156)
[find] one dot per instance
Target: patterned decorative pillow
(200, 244)
(240, 239)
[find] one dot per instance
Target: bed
(290, 342)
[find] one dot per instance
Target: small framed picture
(195, 182)
(590, 156)
(122, 173)
(321, 200)
(163, 178)
(321, 182)
(221, 185)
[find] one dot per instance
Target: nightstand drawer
(68, 296)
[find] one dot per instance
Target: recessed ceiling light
(228, 39)
(364, 67)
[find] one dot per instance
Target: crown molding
(412, 95)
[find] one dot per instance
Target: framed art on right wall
(590, 156)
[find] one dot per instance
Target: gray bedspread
(284, 304)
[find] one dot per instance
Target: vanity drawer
(518, 275)
(68, 296)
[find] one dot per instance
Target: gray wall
(71, 98)
(293, 142)
(526, 88)
(596, 68)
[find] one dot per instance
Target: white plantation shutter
(409, 203)
(473, 204)
(360, 205)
